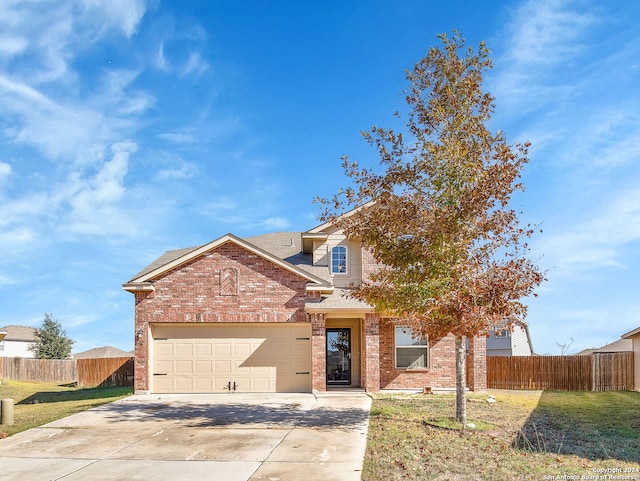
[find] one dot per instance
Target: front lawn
(38, 403)
(524, 435)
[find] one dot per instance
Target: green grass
(525, 435)
(39, 403)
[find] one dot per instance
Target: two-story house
(510, 342)
(272, 313)
(16, 341)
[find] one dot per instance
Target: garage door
(242, 357)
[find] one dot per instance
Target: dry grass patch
(38, 403)
(523, 436)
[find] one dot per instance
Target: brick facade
(441, 373)
(370, 352)
(319, 352)
(203, 291)
(232, 284)
(477, 364)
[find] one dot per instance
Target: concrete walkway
(226, 437)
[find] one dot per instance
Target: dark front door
(338, 356)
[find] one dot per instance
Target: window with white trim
(502, 333)
(339, 260)
(412, 352)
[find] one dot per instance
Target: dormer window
(339, 260)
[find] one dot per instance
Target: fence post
(6, 412)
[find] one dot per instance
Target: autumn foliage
(436, 214)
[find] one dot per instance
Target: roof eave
(139, 286)
(631, 333)
(145, 279)
(318, 308)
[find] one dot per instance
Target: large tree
(51, 340)
(437, 218)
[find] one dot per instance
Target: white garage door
(243, 357)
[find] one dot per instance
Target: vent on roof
(291, 243)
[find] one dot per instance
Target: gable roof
(19, 333)
(288, 247)
(630, 334)
(164, 259)
(621, 345)
(323, 227)
(101, 352)
(172, 259)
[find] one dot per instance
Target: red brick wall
(477, 364)
(371, 352)
(319, 352)
(193, 293)
(440, 375)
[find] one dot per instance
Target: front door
(338, 356)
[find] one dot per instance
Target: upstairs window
(339, 260)
(412, 352)
(502, 333)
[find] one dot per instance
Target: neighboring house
(634, 337)
(101, 352)
(16, 341)
(621, 345)
(271, 313)
(517, 342)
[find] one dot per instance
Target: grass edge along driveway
(524, 435)
(38, 403)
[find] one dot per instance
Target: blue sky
(131, 127)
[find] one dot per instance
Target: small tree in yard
(51, 340)
(451, 251)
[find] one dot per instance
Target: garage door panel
(164, 367)
(163, 384)
(222, 349)
(203, 350)
(203, 367)
(184, 349)
(183, 367)
(184, 384)
(204, 384)
(258, 358)
(164, 349)
(223, 367)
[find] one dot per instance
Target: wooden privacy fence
(114, 371)
(106, 371)
(597, 372)
(47, 370)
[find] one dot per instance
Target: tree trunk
(461, 400)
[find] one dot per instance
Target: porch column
(318, 352)
(477, 364)
(371, 352)
(141, 368)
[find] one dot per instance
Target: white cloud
(10, 46)
(49, 41)
(94, 201)
(121, 15)
(276, 223)
(186, 171)
(547, 31)
(6, 280)
(595, 242)
(195, 65)
(5, 170)
(178, 137)
(544, 34)
(160, 60)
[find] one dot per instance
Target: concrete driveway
(227, 437)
